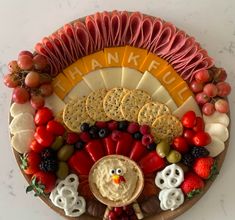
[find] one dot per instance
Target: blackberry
(85, 127)
(48, 165)
(103, 132)
(199, 152)
(137, 135)
(47, 153)
(93, 131)
(79, 145)
(188, 159)
(122, 125)
(152, 146)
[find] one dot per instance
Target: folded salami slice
(157, 29)
(107, 26)
(125, 20)
(116, 27)
(98, 18)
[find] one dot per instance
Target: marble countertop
(24, 22)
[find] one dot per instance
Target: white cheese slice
(149, 83)
(23, 121)
(94, 80)
(112, 77)
(161, 95)
(19, 108)
(171, 104)
(189, 104)
(55, 104)
(130, 78)
(215, 147)
(21, 141)
(79, 90)
(218, 130)
(217, 117)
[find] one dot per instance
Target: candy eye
(118, 171)
(112, 171)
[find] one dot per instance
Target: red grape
(32, 79)
(20, 95)
(46, 89)
(25, 62)
(9, 81)
(39, 62)
(25, 52)
(220, 75)
(13, 66)
(222, 106)
(196, 86)
(224, 89)
(202, 76)
(202, 98)
(210, 90)
(37, 101)
(208, 108)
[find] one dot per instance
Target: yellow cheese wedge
(148, 83)
(75, 72)
(189, 104)
(181, 93)
(169, 78)
(112, 77)
(130, 78)
(161, 95)
(171, 104)
(94, 61)
(94, 80)
(114, 56)
(153, 64)
(61, 85)
(134, 57)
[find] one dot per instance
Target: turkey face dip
(117, 178)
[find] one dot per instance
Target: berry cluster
(29, 79)
(122, 213)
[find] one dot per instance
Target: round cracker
(75, 114)
(112, 102)
(132, 102)
(166, 127)
(94, 105)
(150, 111)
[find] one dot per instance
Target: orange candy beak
(118, 179)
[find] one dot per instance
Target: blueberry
(79, 145)
(85, 127)
(94, 132)
(104, 132)
(122, 125)
(137, 135)
(152, 146)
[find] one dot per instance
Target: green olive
(58, 143)
(173, 157)
(65, 152)
(63, 170)
(163, 148)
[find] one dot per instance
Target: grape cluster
(211, 89)
(29, 79)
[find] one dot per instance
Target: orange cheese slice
(94, 61)
(75, 72)
(153, 64)
(61, 85)
(133, 57)
(181, 93)
(114, 56)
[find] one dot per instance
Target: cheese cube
(114, 56)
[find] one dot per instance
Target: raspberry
(133, 127)
(85, 137)
(116, 135)
(144, 129)
(101, 124)
(112, 125)
(72, 138)
(147, 139)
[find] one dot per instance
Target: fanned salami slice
(157, 28)
(98, 18)
(115, 28)
(125, 20)
(107, 26)
(83, 39)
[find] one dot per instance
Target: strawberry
(72, 138)
(30, 162)
(110, 145)
(192, 184)
(41, 183)
(205, 167)
(138, 151)
(95, 149)
(124, 144)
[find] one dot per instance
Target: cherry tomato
(200, 125)
(42, 116)
(36, 147)
(189, 119)
(201, 139)
(189, 134)
(55, 128)
(180, 144)
(43, 137)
